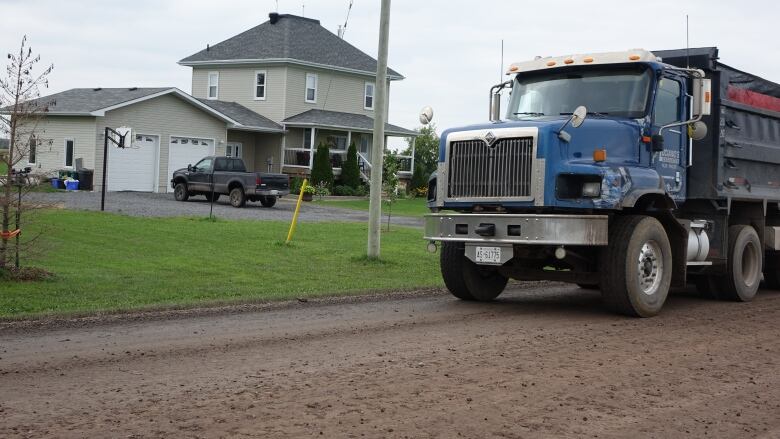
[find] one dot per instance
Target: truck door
(669, 108)
(199, 178)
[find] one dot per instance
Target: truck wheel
(772, 271)
(588, 286)
(268, 201)
(208, 197)
(180, 192)
(467, 280)
(636, 266)
(744, 265)
(237, 197)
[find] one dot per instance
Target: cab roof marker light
(588, 59)
(551, 63)
(568, 61)
(634, 57)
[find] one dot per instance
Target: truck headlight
(591, 189)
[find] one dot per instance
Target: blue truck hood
(620, 137)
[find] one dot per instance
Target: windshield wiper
(593, 113)
(528, 113)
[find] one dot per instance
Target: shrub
(420, 176)
(350, 170)
(295, 185)
(344, 191)
(322, 170)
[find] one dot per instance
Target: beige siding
(236, 84)
(336, 91)
(53, 130)
(164, 116)
(258, 148)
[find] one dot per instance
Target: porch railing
(298, 157)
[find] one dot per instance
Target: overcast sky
(449, 51)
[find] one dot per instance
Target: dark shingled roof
(243, 115)
(335, 119)
(290, 38)
(87, 100)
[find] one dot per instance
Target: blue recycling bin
(55, 183)
(71, 185)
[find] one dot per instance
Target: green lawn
(3, 168)
(105, 262)
(401, 207)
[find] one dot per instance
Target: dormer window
(213, 91)
(368, 96)
(311, 88)
(260, 78)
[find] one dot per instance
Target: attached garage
(183, 151)
(134, 168)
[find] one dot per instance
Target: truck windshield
(612, 92)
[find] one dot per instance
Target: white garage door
(185, 151)
(133, 168)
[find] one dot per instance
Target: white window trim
(239, 149)
(265, 85)
(373, 95)
(306, 88)
(65, 153)
(208, 86)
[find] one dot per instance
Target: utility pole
(378, 148)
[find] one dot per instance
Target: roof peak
(274, 17)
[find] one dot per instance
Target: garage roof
(345, 121)
(287, 38)
(247, 118)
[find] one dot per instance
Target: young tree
(350, 171)
(22, 111)
(322, 170)
(426, 155)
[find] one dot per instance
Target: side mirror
(426, 115)
(658, 143)
(190, 168)
(495, 107)
(702, 96)
(697, 130)
(579, 115)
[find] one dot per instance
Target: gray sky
(449, 51)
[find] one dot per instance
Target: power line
(343, 29)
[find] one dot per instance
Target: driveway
(163, 205)
(543, 361)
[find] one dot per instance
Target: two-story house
(295, 72)
(269, 95)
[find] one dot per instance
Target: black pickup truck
(229, 177)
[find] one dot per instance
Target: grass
(105, 262)
(401, 207)
(3, 168)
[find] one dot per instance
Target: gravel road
(163, 205)
(545, 361)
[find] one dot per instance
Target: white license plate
(490, 255)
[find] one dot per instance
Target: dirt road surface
(540, 362)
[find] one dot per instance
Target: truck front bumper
(499, 229)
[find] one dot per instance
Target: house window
(368, 99)
(307, 138)
(32, 152)
(233, 150)
(311, 87)
(69, 146)
(364, 144)
(213, 91)
(260, 77)
(337, 142)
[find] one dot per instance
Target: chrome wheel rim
(650, 267)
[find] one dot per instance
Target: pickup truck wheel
(237, 197)
(588, 286)
(208, 197)
(180, 192)
(268, 201)
(467, 280)
(636, 266)
(744, 265)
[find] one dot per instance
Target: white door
(185, 151)
(133, 168)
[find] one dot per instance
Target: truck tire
(180, 192)
(744, 264)
(772, 270)
(237, 197)
(208, 197)
(588, 286)
(467, 280)
(636, 266)
(268, 201)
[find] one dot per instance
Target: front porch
(300, 143)
(261, 152)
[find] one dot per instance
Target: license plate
(490, 255)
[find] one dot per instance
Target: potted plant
(308, 192)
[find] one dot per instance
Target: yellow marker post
(297, 210)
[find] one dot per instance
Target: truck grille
(477, 170)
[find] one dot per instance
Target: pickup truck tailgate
(274, 181)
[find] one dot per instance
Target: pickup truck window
(203, 165)
(615, 92)
(221, 164)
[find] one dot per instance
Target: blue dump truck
(631, 172)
